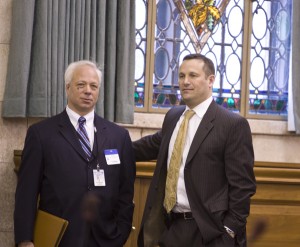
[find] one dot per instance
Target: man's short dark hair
(208, 67)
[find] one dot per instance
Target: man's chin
(86, 107)
(87, 104)
(185, 99)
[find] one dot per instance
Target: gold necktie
(175, 162)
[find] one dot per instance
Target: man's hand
(26, 244)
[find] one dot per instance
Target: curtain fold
(15, 100)
(48, 35)
(296, 64)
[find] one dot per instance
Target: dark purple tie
(83, 137)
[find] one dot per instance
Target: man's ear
(211, 79)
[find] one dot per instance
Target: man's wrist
(230, 232)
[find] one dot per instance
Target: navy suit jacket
(218, 174)
(55, 172)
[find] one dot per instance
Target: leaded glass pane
(224, 47)
(172, 43)
(140, 52)
(270, 56)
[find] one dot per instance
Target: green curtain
(47, 35)
(296, 64)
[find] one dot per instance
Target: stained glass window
(249, 43)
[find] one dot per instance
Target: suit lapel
(203, 130)
(69, 133)
(169, 126)
(100, 134)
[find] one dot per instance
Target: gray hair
(73, 66)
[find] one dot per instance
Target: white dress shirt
(182, 203)
(89, 124)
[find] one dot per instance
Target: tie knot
(188, 114)
(81, 120)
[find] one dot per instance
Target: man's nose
(186, 81)
(88, 89)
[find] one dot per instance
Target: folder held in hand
(48, 230)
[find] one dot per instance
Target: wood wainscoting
(274, 219)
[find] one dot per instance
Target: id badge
(112, 156)
(99, 178)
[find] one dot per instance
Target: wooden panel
(141, 187)
(277, 194)
(281, 224)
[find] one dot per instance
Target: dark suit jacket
(54, 167)
(218, 174)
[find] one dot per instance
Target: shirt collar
(75, 116)
(201, 109)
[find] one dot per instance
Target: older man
(77, 166)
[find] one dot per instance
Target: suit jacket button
(89, 188)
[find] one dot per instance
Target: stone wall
(12, 133)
